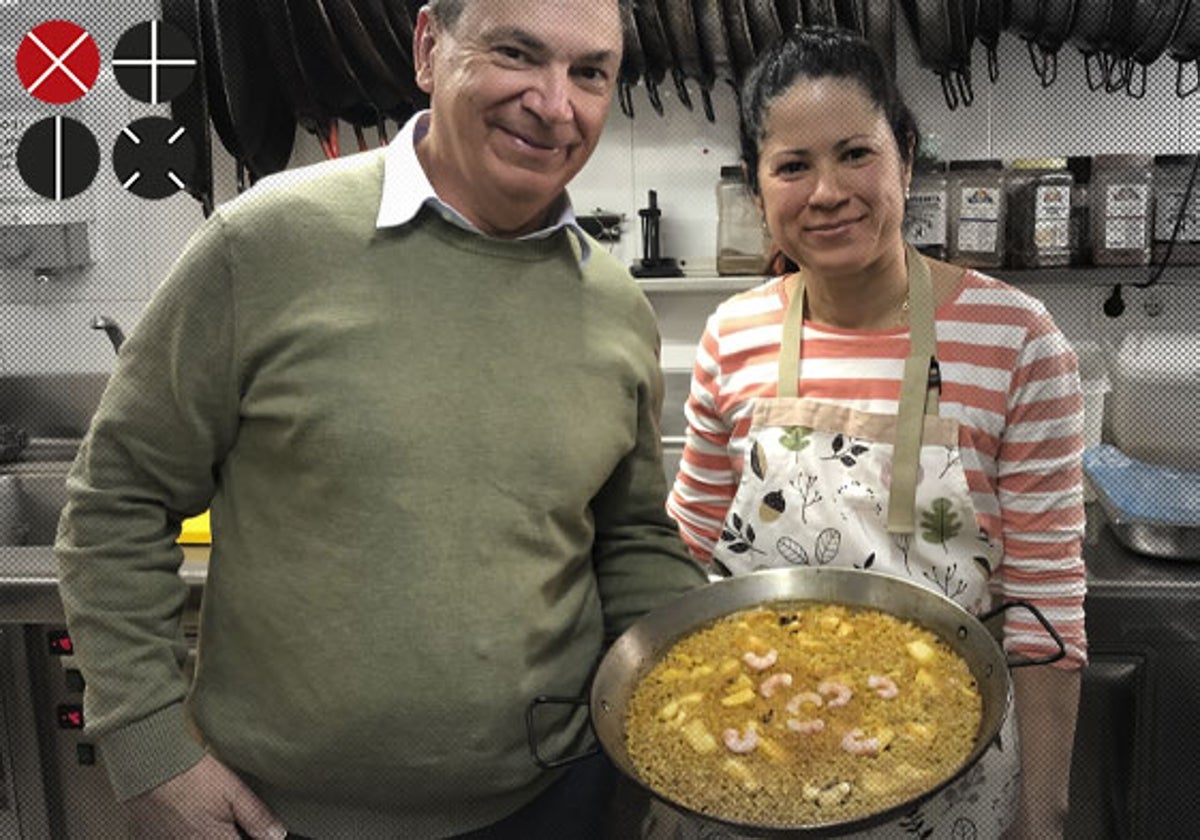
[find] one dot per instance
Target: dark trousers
(592, 801)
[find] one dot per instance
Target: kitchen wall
(44, 324)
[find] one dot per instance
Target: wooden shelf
(1174, 275)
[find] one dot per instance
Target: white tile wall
(679, 154)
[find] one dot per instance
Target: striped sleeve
(1039, 477)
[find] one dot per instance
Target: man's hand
(208, 801)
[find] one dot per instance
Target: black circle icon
(154, 157)
(154, 61)
(58, 157)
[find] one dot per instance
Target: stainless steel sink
(30, 504)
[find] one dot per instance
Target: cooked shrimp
(840, 691)
(855, 743)
(768, 686)
(884, 687)
(806, 727)
(809, 697)
(760, 663)
(739, 743)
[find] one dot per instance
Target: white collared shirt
(406, 189)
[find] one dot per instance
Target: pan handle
(551, 764)
(1042, 620)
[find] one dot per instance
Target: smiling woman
(519, 99)
(875, 409)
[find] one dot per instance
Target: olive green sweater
(433, 465)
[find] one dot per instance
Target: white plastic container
(1155, 412)
(1094, 379)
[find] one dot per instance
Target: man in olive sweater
(424, 409)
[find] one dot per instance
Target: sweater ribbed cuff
(145, 754)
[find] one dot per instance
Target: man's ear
(426, 35)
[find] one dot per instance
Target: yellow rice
(679, 712)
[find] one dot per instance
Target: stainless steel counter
(29, 582)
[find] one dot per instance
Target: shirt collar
(406, 189)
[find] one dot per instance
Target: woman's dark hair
(818, 52)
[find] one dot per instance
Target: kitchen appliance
(1156, 397)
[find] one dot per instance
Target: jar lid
(732, 171)
(1121, 161)
(980, 163)
(1174, 160)
(1040, 163)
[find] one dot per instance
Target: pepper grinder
(652, 263)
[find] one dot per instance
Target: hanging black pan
(1156, 29)
(880, 21)
(930, 24)
(714, 43)
(1185, 48)
(261, 123)
(679, 18)
(961, 18)
(672, 35)
(234, 104)
(765, 27)
(1090, 35)
(395, 48)
(190, 108)
(654, 50)
(850, 16)
(790, 14)
(741, 44)
(819, 13)
(384, 94)
(282, 48)
(334, 84)
(992, 20)
(633, 62)
(1058, 17)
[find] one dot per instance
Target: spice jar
(1120, 209)
(1171, 175)
(1080, 227)
(925, 209)
(977, 214)
(1039, 213)
(742, 239)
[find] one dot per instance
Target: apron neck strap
(918, 391)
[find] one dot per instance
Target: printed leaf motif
(758, 460)
(859, 449)
(750, 532)
(869, 562)
(829, 541)
(838, 442)
(739, 547)
(792, 551)
(795, 438)
(737, 522)
(940, 523)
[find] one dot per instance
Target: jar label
(1127, 200)
(980, 204)
(1125, 234)
(1052, 213)
(925, 218)
(1167, 204)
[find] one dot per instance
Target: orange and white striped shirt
(1009, 377)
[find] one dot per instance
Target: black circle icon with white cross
(154, 157)
(154, 61)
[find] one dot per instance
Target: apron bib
(825, 485)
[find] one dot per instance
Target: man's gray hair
(447, 12)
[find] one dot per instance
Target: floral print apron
(825, 485)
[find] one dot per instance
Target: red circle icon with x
(58, 62)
